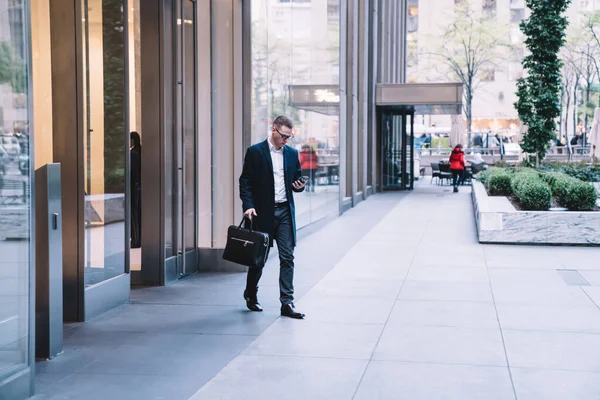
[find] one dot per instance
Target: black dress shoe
(288, 310)
(252, 302)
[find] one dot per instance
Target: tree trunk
(567, 109)
(560, 119)
(468, 112)
(585, 121)
(575, 112)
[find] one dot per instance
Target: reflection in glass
(189, 72)
(135, 194)
(15, 201)
(104, 139)
(135, 116)
(296, 46)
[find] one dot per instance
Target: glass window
(295, 72)
(15, 201)
(104, 139)
(489, 8)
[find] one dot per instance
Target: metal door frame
(108, 294)
(182, 258)
(189, 259)
(383, 114)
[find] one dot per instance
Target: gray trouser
(283, 235)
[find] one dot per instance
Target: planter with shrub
(535, 190)
(511, 206)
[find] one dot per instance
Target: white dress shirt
(278, 174)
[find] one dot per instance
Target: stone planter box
(499, 222)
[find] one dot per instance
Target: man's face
(281, 135)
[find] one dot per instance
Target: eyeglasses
(283, 136)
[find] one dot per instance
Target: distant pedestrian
(457, 166)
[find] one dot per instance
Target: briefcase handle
(243, 219)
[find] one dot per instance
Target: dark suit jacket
(257, 185)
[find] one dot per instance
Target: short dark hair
(282, 120)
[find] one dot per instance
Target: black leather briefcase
(246, 246)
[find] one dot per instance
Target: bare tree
(580, 55)
(471, 48)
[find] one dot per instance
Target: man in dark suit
(270, 175)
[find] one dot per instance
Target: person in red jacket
(457, 166)
(308, 163)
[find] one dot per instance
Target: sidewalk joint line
(510, 375)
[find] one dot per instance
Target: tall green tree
(538, 93)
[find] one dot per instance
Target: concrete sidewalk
(171, 340)
(401, 302)
(417, 309)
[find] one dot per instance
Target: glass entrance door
(397, 146)
(184, 229)
(105, 140)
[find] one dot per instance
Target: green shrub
(571, 193)
(550, 178)
(559, 184)
(582, 171)
(526, 171)
(517, 181)
(501, 164)
(575, 195)
(484, 176)
(582, 197)
(532, 192)
(499, 184)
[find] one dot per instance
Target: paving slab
(394, 380)
(534, 384)
(290, 378)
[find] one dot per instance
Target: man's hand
(299, 184)
(251, 212)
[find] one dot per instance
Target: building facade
(496, 21)
(200, 81)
